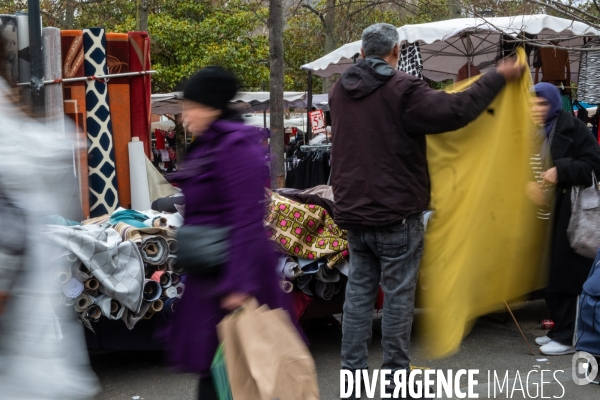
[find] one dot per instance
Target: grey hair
(379, 40)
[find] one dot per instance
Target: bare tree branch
(315, 11)
(563, 12)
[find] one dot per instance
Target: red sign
(317, 122)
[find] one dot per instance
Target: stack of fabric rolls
(118, 266)
(314, 250)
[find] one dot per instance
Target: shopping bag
(584, 226)
(265, 356)
(218, 370)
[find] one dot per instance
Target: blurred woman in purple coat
(223, 183)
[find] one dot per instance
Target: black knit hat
(211, 86)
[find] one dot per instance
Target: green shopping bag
(219, 375)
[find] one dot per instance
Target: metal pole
(265, 118)
(90, 78)
(309, 99)
(37, 59)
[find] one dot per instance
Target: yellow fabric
(483, 242)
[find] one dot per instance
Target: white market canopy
(172, 103)
(447, 45)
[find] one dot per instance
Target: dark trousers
(206, 390)
(563, 310)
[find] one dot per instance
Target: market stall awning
(172, 103)
(447, 45)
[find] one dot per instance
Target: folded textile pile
(304, 230)
(117, 270)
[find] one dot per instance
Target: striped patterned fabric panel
(588, 88)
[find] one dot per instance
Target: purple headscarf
(552, 95)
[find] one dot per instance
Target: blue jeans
(389, 256)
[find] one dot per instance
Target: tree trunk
(330, 39)
(142, 16)
(69, 14)
(277, 144)
(454, 8)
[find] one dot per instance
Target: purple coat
(223, 183)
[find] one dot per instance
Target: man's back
(380, 118)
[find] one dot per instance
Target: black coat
(575, 152)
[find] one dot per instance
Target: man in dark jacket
(381, 185)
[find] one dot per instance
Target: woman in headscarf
(568, 155)
(223, 179)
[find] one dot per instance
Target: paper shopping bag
(241, 382)
(272, 355)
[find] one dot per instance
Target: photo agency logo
(585, 368)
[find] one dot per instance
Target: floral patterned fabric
(304, 230)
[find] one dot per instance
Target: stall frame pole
(36, 55)
(309, 100)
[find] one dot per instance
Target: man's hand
(550, 177)
(510, 70)
(536, 193)
(234, 301)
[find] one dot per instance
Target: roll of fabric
(82, 302)
(117, 55)
(92, 284)
(104, 198)
(55, 117)
(165, 280)
(140, 89)
(156, 222)
(8, 31)
(286, 286)
(140, 191)
(169, 307)
(110, 308)
(80, 272)
(173, 245)
(75, 108)
(162, 267)
(152, 290)
(171, 260)
(61, 274)
(157, 275)
(154, 249)
(157, 306)
(93, 313)
(23, 47)
(175, 279)
(149, 314)
(73, 288)
(175, 291)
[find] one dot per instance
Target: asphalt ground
(494, 344)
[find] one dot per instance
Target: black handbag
(203, 250)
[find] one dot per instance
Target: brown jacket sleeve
(428, 111)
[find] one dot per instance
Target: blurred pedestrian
(223, 180)
(381, 186)
(43, 354)
(568, 155)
